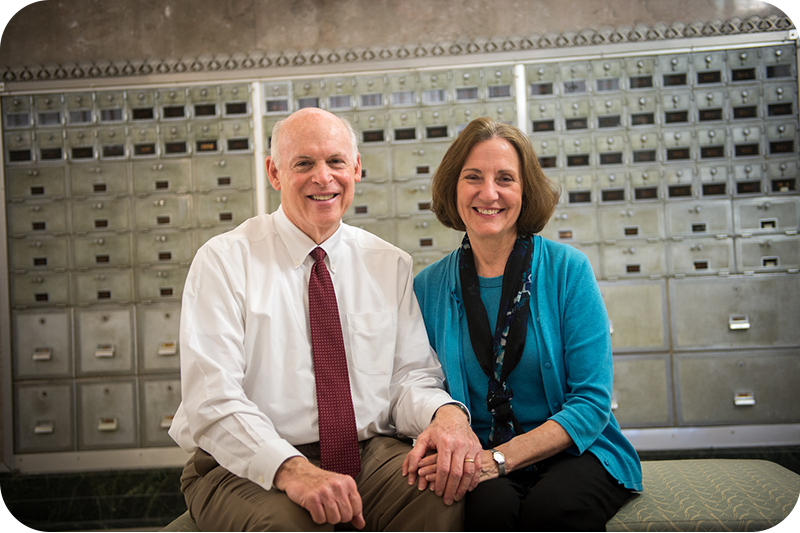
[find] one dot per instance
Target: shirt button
(297, 262)
(547, 365)
(261, 479)
(555, 405)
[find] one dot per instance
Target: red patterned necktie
(338, 437)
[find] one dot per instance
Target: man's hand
(458, 461)
(330, 497)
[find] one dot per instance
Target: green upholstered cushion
(709, 495)
(183, 523)
(691, 495)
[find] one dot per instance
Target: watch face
(498, 457)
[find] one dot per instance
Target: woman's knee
(492, 506)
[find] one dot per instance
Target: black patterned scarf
(499, 354)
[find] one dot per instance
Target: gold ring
(469, 460)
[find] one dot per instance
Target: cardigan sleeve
(587, 379)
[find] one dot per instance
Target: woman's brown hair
(539, 193)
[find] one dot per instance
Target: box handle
(738, 322)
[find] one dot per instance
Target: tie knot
(318, 254)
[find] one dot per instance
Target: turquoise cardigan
(572, 338)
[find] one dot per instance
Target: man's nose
(322, 175)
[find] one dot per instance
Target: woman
(521, 330)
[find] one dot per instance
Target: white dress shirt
(247, 377)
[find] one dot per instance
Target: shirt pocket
(372, 341)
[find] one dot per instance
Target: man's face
(317, 173)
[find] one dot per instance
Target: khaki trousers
(221, 501)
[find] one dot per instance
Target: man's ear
(272, 173)
(358, 167)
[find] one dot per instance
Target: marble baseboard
(108, 500)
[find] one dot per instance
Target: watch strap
(501, 465)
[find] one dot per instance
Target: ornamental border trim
(362, 56)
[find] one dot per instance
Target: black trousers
(562, 493)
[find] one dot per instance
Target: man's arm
(330, 497)
(219, 416)
(420, 407)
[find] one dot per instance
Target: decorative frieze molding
(364, 56)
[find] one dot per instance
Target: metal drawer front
(161, 176)
(101, 214)
(163, 211)
(44, 417)
(158, 337)
(40, 289)
(637, 314)
(775, 253)
(699, 219)
(635, 259)
(374, 165)
(224, 172)
(631, 222)
(425, 232)
(735, 312)
(761, 216)
(163, 247)
(642, 394)
(572, 225)
(416, 160)
(370, 200)
(38, 253)
(413, 197)
(161, 283)
(42, 344)
(92, 179)
(107, 286)
(224, 207)
(159, 400)
(37, 217)
(695, 257)
(104, 341)
(107, 414)
(102, 250)
(35, 183)
(744, 388)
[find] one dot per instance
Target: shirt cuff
(456, 404)
(266, 462)
(433, 405)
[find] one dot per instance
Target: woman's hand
(458, 452)
(489, 470)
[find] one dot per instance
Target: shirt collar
(299, 245)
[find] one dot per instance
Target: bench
(691, 495)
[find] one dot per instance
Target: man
(253, 408)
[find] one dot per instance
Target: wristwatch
(500, 459)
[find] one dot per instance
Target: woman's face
(489, 192)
